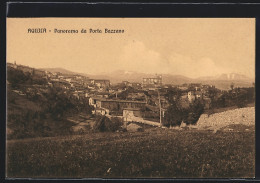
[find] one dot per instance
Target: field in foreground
(154, 153)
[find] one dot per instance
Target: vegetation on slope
(41, 110)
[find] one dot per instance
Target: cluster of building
(147, 99)
(80, 86)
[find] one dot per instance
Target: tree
(241, 98)
(193, 113)
(232, 86)
(85, 107)
(173, 116)
(58, 103)
(212, 93)
(17, 77)
(173, 95)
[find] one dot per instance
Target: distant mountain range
(228, 77)
(222, 81)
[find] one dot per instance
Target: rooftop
(132, 109)
(112, 100)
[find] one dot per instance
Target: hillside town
(133, 101)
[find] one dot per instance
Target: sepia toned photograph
(130, 98)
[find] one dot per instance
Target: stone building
(39, 72)
(131, 112)
(192, 95)
(152, 82)
(101, 83)
(115, 105)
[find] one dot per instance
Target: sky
(193, 47)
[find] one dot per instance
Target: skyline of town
(108, 98)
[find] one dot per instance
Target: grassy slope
(22, 104)
(153, 153)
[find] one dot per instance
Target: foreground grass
(153, 153)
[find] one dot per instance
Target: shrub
(175, 114)
(104, 124)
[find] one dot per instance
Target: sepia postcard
(130, 98)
